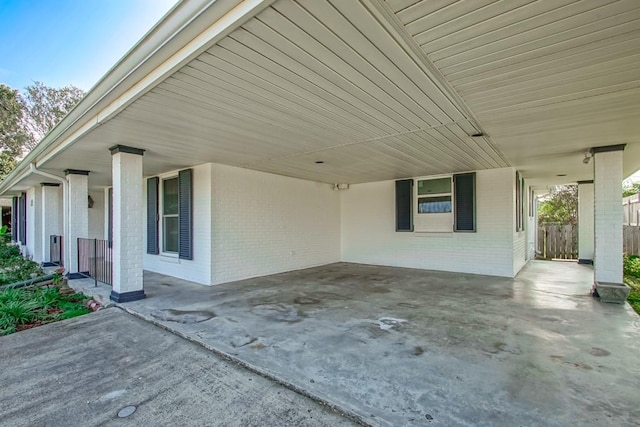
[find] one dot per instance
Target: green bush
(14, 267)
(632, 266)
(37, 305)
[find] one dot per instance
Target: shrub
(36, 305)
(14, 267)
(632, 266)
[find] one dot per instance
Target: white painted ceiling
(384, 90)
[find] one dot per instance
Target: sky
(62, 42)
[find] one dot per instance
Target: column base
(585, 261)
(611, 292)
(127, 296)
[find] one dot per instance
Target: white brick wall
(369, 236)
(199, 269)
(608, 216)
(52, 217)
(265, 224)
(585, 222)
(128, 205)
(97, 215)
(249, 224)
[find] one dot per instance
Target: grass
(32, 306)
(632, 278)
(634, 295)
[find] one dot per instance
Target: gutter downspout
(65, 210)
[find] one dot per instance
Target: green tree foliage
(26, 118)
(561, 206)
(14, 135)
(629, 189)
(45, 106)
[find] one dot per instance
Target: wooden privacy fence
(560, 241)
(631, 239)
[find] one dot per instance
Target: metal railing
(56, 250)
(95, 260)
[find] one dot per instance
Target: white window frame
(433, 222)
(162, 179)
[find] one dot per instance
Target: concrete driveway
(408, 347)
(83, 371)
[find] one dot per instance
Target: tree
(561, 206)
(630, 188)
(45, 106)
(26, 119)
(14, 135)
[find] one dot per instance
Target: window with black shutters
(442, 204)
(169, 215)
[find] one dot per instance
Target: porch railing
(95, 260)
(56, 249)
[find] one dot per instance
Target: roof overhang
(373, 89)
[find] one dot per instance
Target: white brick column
(51, 197)
(585, 222)
(77, 218)
(34, 224)
(608, 214)
(128, 208)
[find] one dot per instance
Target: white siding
(199, 269)
(369, 236)
(265, 224)
(97, 215)
(52, 217)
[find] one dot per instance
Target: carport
(402, 346)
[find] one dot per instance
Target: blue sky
(61, 42)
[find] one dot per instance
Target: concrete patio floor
(409, 347)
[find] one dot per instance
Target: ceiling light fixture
(587, 157)
(319, 162)
(477, 135)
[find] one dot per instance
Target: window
(169, 215)
(170, 225)
(434, 205)
(434, 196)
(441, 205)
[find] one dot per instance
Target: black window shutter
(404, 205)
(465, 201)
(23, 219)
(152, 216)
(14, 219)
(185, 211)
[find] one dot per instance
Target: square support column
(608, 223)
(128, 209)
(585, 222)
(52, 223)
(77, 218)
(34, 224)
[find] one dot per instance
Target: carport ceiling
(383, 90)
